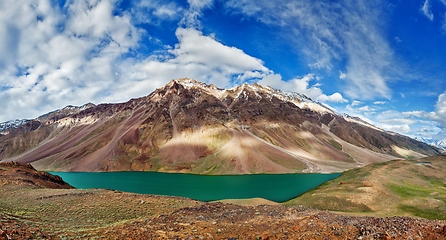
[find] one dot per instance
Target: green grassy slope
(409, 188)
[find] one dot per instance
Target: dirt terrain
(35, 205)
(228, 221)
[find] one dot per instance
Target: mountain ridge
(433, 142)
(6, 127)
(189, 126)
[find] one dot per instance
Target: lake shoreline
(273, 187)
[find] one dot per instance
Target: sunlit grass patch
(436, 213)
(408, 190)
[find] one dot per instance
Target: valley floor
(217, 221)
(36, 206)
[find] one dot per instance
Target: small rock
(3, 235)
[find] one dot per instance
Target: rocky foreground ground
(35, 205)
(227, 221)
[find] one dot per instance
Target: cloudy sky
(384, 61)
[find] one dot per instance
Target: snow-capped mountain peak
(297, 99)
(433, 142)
(12, 124)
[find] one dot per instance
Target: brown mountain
(188, 126)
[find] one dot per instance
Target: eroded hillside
(188, 126)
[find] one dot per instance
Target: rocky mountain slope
(189, 126)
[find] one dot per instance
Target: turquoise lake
(274, 187)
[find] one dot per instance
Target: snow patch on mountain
(433, 142)
(297, 99)
(13, 124)
(360, 121)
(66, 111)
(7, 127)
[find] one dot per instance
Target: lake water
(275, 187)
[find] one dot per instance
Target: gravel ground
(228, 221)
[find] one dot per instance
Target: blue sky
(384, 61)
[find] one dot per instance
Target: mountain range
(433, 142)
(189, 126)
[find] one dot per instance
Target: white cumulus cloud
(195, 56)
(440, 110)
(302, 85)
(62, 54)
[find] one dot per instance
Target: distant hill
(413, 188)
(433, 142)
(26, 177)
(189, 126)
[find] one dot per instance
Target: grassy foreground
(50, 208)
(77, 212)
(414, 188)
